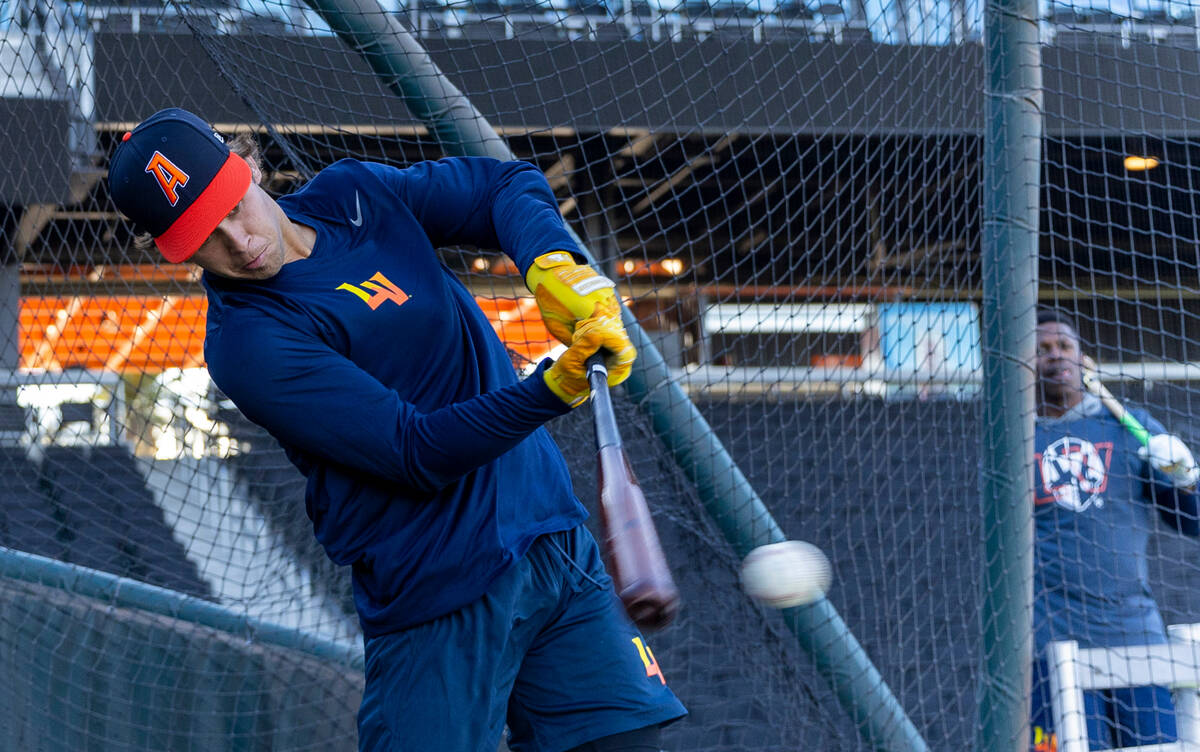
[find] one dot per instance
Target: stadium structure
(791, 200)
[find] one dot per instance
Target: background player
(1096, 490)
(333, 324)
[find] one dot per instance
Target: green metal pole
(743, 518)
(746, 524)
(1011, 174)
(126, 593)
(407, 69)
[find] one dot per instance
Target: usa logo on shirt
(1074, 473)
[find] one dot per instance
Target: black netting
(789, 195)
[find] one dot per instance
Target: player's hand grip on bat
(1170, 456)
(1164, 452)
(567, 293)
(567, 378)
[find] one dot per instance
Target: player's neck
(300, 239)
(1057, 405)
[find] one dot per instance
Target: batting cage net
(789, 196)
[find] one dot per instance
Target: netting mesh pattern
(789, 196)
(1118, 255)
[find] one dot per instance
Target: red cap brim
(185, 236)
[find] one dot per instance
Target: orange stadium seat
(147, 334)
(519, 326)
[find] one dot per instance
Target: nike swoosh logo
(357, 221)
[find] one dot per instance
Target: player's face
(1060, 377)
(254, 240)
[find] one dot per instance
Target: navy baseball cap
(175, 178)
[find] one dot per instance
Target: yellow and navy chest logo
(376, 291)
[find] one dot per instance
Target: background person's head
(1057, 362)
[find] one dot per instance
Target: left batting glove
(1170, 456)
(567, 293)
(567, 378)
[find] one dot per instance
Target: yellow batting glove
(619, 352)
(567, 293)
(567, 378)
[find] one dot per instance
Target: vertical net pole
(10, 314)
(1012, 166)
(744, 520)
(407, 69)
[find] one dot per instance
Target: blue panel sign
(940, 340)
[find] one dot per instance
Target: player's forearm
(392, 442)
(448, 443)
(323, 406)
(525, 214)
(483, 202)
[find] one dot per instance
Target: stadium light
(668, 267)
(1139, 164)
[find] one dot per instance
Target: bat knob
(650, 608)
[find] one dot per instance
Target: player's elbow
(422, 464)
(429, 482)
(415, 472)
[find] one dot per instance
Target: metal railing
(1124, 33)
(465, 22)
(879, 380)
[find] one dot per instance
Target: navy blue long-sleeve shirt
(1095, 502)
(428, 470)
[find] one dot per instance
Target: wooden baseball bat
(1091, 381)
(631, 546)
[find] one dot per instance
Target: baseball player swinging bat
(635, 556)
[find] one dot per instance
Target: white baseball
(787, 574)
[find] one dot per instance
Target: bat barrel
(635, 557)
(1092, 382)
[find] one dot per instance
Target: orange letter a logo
(170, 178)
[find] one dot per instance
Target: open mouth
(1059, 373)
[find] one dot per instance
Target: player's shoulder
(238, 336)
(418, 176)
(342, 175)
(1141, 414)
(358, 170)
(352, 169)
(1152, 424)
(327, 194)
(229, 324)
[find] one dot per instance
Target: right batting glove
(567, 293)
(567, 378)
(1171, 457)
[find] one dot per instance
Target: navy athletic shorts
(548, 649)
